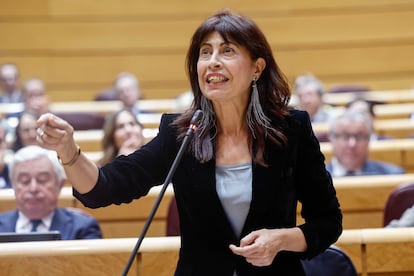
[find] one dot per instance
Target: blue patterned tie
(35, 224)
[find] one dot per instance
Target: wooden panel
(77, 265)
(127, 220)
(94, 69)
(88, 257)
(24, 8)
(78, 47)
(148, 8)
(285, 32)
(377, 252)
(132, 228)
(384, 258)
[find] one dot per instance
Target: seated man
(37, 178)
(350, 135)
(366, 106)
(309, 91)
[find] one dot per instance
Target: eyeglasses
(345, 137)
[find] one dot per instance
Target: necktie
(350, 173)
(35, 224)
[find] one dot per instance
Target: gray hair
(353, 116)
(307, 79)
(125, 75)
(34, 152)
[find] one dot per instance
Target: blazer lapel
(62, 223)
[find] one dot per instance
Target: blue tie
(35, 224)
(350, 173)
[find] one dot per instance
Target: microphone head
(198, 114)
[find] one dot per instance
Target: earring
(255, 93)
(255, 111)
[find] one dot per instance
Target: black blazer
(295, 173)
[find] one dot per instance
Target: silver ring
(40, 132)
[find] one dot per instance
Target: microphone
(195, 120)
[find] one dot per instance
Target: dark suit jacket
(373, 167)
(71, 224)
(295, 173)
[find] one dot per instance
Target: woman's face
(127, 131)
(226, 70)
(27, 130)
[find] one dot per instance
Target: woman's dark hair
(273, 88)
(110, 150)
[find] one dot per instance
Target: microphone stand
(193, 126)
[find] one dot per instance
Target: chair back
(83, 120)
(332, 262)
(399, 200)
(173, 221)
(341, 88)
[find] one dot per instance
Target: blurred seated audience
(367, 107)
(37, 178)
(25, 133)
(4, 168)
(309, 91)
(35, 99)
(350, 135)
(184, 101)
(123, 134)
(9, 83)
(128, 89)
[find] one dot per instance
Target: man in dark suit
(350, 135)
(37, 178)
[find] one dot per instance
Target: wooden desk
(127, 220)
(374, 252)
(380, 251)
(103, 107)
(385, 111)
(116, 221)
(394, 111)
(362, 200)
(397, 151)
(386, 96)
(397, 128)
(89, 257)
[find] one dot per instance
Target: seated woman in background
(122, 135)
(25, 131)
(4, 167)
